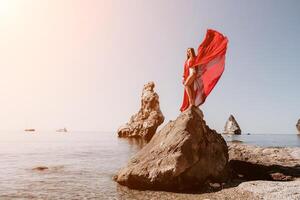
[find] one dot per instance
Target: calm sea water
(81, 164)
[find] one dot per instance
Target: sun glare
(8, 8)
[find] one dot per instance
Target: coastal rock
(265, 163)
(232, 127)
(40, 168)
(298, 126)
(144, 123)
(184, 154)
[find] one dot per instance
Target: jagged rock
(144, 123)
(232, 127)
(298, 126)
(264, 163)
(184, 154)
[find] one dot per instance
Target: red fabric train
(209, 64)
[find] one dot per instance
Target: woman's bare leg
(188, 87)
(190, 95)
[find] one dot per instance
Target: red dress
(209, 64)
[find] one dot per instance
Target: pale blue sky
(82, 64)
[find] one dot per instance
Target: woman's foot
(191, 105)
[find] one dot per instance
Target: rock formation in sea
(232, 127)
(298, 126)
(184, 154)
(144, 123)
(40, 168)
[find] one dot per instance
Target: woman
(189, 75)
(202, 72)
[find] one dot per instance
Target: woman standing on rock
(202, 72)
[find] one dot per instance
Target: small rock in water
(232, 127)
(237, 141)
(298, 126)
(40, 168)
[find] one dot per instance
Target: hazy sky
(83, 63)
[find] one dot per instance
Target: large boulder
(184, 154)
(298, 126)
(232, 127)
(144, 123)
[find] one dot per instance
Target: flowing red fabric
(209, 64)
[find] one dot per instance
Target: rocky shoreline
(239, 187)
(186, 152)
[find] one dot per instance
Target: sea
(80, 165)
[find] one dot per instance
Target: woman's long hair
(193, 53)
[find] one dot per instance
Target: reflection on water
(136, 142)
(80, 165)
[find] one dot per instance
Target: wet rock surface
(184, 154)
(144, 123)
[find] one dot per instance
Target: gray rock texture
(272, 190)
(144, 123)
(232, 127)
(265, 163)
(184, 154)
(298, 126)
